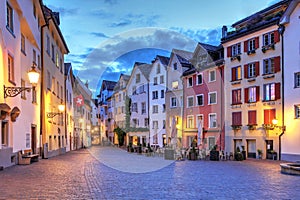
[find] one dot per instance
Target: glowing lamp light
(33, 75)
(61, 107)
(274, 121)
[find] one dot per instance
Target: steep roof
(145, 69)
(109, 85)
(163, 59)
(209, 47)
(67, 67)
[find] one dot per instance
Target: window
(200, 100)
(161, 79)
(297, 80)
(164, 124)
(252, 117)
(271, 65)
(154, 94)
(236, 97)
(269, 115)
(4, 133)
(164, 108)
(155, 109)
(137, 78)
(11, 69)
(155, 81)
(158, 69)
(190, 82)
(162, 94)
(199, 119)
(33, 91)
(57, 85)
(23, 46)
(190, 101)
(237, 118)
(57, 59)
(34, 11)
(268, 38)
(155, 125)
(252, 94)
(175, 66)
(199, 79)
(134, 90)
(135, 122)
(251, 45)
(297, 111)
(190, 121)
(23, 95)
(53, 56)
(236, 49)
(146, 122)
(212, 98)
(236, 73)
(212, 117)
(134, 107)
(48, 44)
(61, 92)
(119, 98)
(212, 76)
(143, 107)
(9, 18)
(271, 91)
(34, 56)
(48, 80)
(211, 142)
(251, 70)
(175, 85)
(173, 102)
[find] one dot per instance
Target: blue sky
(105, 37)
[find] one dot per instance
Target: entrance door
(33, 139)
(251, 148)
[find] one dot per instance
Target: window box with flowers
(268, 126)
(251, 126)
(236, 127)
(268, 47)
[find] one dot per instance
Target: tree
(121, 134)
(127, 112)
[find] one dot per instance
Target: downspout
(281, 30)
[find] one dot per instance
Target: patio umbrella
(199, 132)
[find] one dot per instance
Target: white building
(138, 92)
(157, 106)
(291, 82)
(20, 39)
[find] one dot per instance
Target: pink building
(203, 97)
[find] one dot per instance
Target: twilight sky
(106, 37)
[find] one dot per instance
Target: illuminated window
(297, 111)
(190, 121)
(9, 18)
(236, 73)
(11, 69)
(175, 85)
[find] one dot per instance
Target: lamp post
(33, 76)
(61, 109)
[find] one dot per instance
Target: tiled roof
(109, 85)
(163, 59)
(209, 47)
(145, 69)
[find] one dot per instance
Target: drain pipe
(281, 30)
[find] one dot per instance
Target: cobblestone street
(82, 175)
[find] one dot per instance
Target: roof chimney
(224, 31)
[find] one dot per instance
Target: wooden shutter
(246, 46)
(246, 92)
(257, 68)
(246, 71)
(233, 74)
(276, 36)
(229, 51)
(256, 42)
(257, 93)
(252, 117)
(269, 115)
(277, 91)
(277, 64)
(237, 118)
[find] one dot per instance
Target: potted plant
(259, 153)
(214, 153)
(238, 156)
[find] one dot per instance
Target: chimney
(224, 31)
(56, 16)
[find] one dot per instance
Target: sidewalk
(121, 160)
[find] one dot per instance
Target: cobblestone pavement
(80, 175)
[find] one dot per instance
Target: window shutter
(252, 117)
(257, 93)
(277, 91)
(237, 118)
(257, 68)
(256, 42)
(233, 99)
(246, 95)
(246, 71)
(276, 36)
(277, 64)
(233, 74)
(246, 46)
(229, 51)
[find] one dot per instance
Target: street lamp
(33, 76)
(61, 109)
(275, 122)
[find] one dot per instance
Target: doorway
(33, 139)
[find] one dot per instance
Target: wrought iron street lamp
(275, 122)
(33, 76)
(61, 109)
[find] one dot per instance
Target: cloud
(99, 34)
(138, 45)
(122, 23)
(111, 2)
